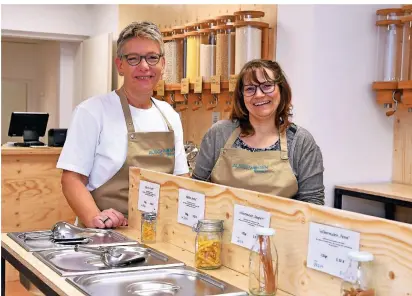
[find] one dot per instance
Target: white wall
(328, 54)
(105, 18)
(56, 19)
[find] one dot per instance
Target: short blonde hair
(142, 29)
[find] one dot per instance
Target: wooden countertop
(389, 190)
(62, 287)
(7, 150)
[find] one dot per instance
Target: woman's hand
(109, 218)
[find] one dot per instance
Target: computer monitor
(30, 126)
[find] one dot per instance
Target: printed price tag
(329, 247)
(215, 84)
(245, 220)
(198, 85)
(232, 83)
(160, 88)
(148, 196)
(191, 207)
(184, 86)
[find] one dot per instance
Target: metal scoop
(116, 256)
(64, 232)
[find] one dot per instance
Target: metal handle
(171, 288)
(99, 251)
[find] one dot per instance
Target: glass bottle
(358, 278)
(148, 227)
(208, 244)
(263, 264)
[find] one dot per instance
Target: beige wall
(37, 63)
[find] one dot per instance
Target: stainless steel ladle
(117, 255)
(64, 232)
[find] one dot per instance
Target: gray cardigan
(305, 158)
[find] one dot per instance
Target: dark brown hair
(248, 72)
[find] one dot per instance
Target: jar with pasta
(208, 244)
(178, 37)
(225, 51)
(207, 53)
(192, 42)
(148, 227)
(358, 279)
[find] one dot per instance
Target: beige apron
(148, 150)
(263, 171)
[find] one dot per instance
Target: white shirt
(96, 142)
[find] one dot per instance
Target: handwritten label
(329, 247)
(215, 84)
(160, 88)
(184, 86)
(191, 207)
(215, 117)
(148, 196)
(245, 220)
(232, 83)
(198, 85)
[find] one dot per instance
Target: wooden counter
(60, 286)
(31, 195)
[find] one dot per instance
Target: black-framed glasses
(266, 87)
(134, 59)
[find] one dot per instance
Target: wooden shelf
(385, 90)
(205, 86)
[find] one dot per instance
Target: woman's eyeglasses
(265, 87)
(135, 59)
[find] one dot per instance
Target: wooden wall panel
(390, 241)
(402, 153)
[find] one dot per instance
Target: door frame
(43, 36)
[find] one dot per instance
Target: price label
(148, 196)
(232, 83)
(329, 247)
(245, 220)
(160, 88)
(198, 85)
(184, 86)
(191, 207)
(215, 84)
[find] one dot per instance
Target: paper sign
(148, 196)
(329, 247)
(191, 207)
(184, 86)
(232, 83)
(215, 84)
(245, 220)
(198, 85)
(160, 88)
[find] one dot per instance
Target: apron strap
(128, 115)
(283, 146)
(126, 110)
(232, 138)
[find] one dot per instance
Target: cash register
(29, 125)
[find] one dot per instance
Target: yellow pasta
(148, 231)
(208, 253)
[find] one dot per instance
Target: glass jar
(208, 244)
(406, 65)
(248, 42)
(170, 56)
(179, 37)
(358, 278)
(389, 45)
(148, 227)
(225, 51)
(192, 49)
(248, 15)
(207, 55)
(263, 264)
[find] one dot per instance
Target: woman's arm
(308, 164)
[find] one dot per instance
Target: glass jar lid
(360, 256)
(149, 215)
(209, 225)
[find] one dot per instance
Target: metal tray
(183, 281)
(102, 237)
(70, 263)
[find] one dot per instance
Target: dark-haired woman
(259, 148)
